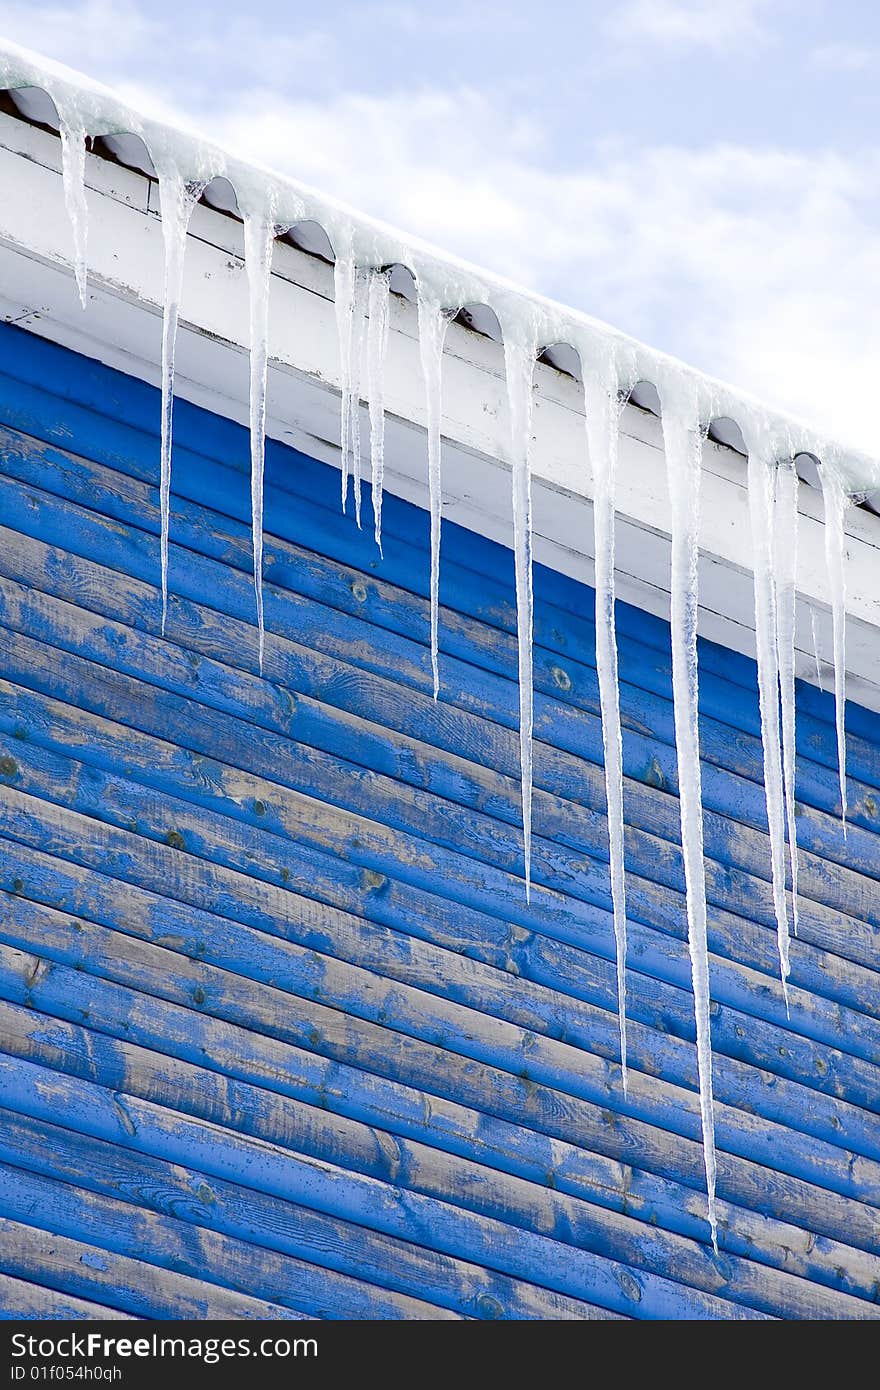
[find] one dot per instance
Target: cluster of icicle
(611, 366)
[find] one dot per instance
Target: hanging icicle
(377, 344)
(177, 198)
(603, 406)
(520, 351)
(433, 322)
(73, 176)
(815, 638)
(343, 293)
(836, 503)
(350, 289)
(785, 549)
(259, 235)
(762, 494)
(683, 444)
(358, 344)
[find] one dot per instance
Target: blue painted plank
(649, 741)
(227, 540)
(386, 901)
(226, 847)
(547, 1006)
(484, 989)
(126, 1020)
(326, 834)
(80, 1269)
(141, 1126)
(20, 1299)
(46, 1201)
(128, 410)
(347, 1040)
(556, 818)
(98, 1185)
(274, 706)
(416, 1167)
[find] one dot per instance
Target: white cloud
(93, 35)
(844, 58)
(118, 41)
(446, 22)
(715, 24)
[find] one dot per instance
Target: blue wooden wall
(279, 1034)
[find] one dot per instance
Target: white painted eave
(121, 327)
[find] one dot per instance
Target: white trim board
(121, 327)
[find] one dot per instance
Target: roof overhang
(122, 327)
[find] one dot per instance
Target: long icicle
(785, 537)
(683, 445)
(814, 635)
(762, 492)
(350, 291)
(177, 199)
(836, 502)
(433, 322)
(377, 344)
(603, 420)
(358, 343)
(259, 234)
(520, 351)
(73, 176)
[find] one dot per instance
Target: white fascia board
(121, 327)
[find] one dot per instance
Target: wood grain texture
(279, 1033)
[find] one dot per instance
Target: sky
(703, 174)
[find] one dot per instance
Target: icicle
(259, 233)
(836, 502)
(73, 175)
(603, 418)
(683, 445)
(785, 543)
(433, 322)
(377, 342)
(176, 200)
(343, 291)
(358, 344)
(762, 484)
(520, 352)
(819, 680)
(350, 289)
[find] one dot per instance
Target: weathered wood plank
(144, 1127)
(365, 992)
(52, 1205)
(521, 1052)
(328, 609)
(133, 1197)
(27, 979)
(125, 1016)
(328, 763)
(591, 1080)
(33, 1302)
(820, 973)
(108, 901)
(57, 883)
(299, 486)
(492, 1193)
(324, 831)
(84, 1270)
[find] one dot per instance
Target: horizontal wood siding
(280, 1035)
